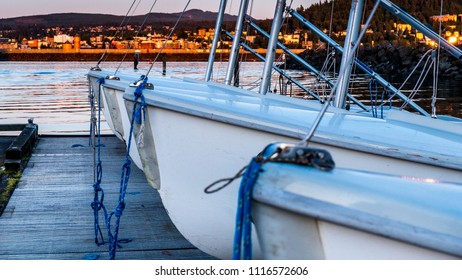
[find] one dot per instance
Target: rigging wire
(429, 63)
(282, 57)
(168, 38)
(436, 69)
(355, 66)
(243, 55)
(330, 25)
(104, 55)
(306, 140)
(389, 99)
(320, 86)
(229, 12)
(137, 33)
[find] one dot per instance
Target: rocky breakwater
(395, 61)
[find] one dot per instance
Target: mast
(272, 44)
(358, 63)
(354, 23)
(300, 60)
(302, 87)
(216, 36)
(236, 42)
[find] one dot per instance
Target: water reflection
(55, 94)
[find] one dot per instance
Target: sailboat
(197, 131)
(109, 90)
(303, 207)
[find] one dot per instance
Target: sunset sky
(261, 8)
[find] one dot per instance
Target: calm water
(55, 94)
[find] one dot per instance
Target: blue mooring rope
(125, 175)
(97, 204)
(242, 248)
(373, 96)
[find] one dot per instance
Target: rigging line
(244, 54)
(413, 70)
(218, 72)
(355, 66)
(215, 76)
(118, 29)
(330, 25)
(408, 77)
(317, 121)
(286, 16)
(420, 81)
(436, 69)
(123, 58)
(427, 66)
(282, 57)
(128, 20)
(137, 33)
(168, 38)
(230, 6)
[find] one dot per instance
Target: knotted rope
(98, 199)
(125, 175)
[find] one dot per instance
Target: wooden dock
(49, 215)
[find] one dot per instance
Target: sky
(261, 9)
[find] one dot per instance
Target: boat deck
(49, 215)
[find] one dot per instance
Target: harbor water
(55, 94)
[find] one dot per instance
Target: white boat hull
(115, 113)
(191, 152)
(303, 213)
(287, 236)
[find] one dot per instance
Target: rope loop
(119, 209)
(139, 88)
(227, 181)
(99, 172)
(96, 205)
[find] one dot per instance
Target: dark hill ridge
(85, 19)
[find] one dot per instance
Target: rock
(387, 59)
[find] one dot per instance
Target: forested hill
(320, 14)
(193, 17)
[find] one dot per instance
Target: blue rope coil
(242, 248)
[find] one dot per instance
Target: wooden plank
(11, 127)
(167, 254)
(49, 215)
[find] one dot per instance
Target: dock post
(21, 146)
(164, 64)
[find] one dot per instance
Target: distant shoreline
(114, 55)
